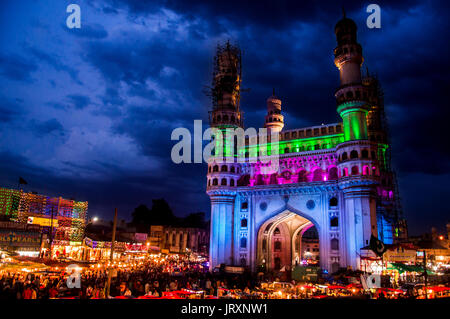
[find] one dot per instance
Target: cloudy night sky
(88, 113)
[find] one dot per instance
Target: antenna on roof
(343, 11)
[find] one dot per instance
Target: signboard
(136, 247)
(42, 221)
(400, 255)
(305, 273)
(19, 238)
(20, 226)
(140, 237)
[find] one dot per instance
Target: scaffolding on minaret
(225, 91)
(379, 121)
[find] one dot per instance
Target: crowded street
(174, 277)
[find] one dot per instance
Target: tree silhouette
(161, 214)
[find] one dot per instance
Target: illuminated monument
(336, 177)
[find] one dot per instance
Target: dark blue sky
(88, 113)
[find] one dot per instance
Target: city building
(98, 236)
(66, 217)
(334, 177)
(185, 239)
(435, 245)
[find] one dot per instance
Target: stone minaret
(274, 119)
(357, 162)
(351, 96)
(223, 170)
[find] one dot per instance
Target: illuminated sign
(18, 238)
(136, 247)
(42, 221)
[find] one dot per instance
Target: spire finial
(343, 12)
(273, 91)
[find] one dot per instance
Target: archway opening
(285, 242)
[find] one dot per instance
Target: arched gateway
(280, 241)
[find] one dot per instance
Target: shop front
(67, 249)
(101, 250)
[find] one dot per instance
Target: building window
(355, 170)
(223, 182)
(344, 156)
(317, 175)
(366, 170)
(277, 245)
(244, 222)
(333, 201)
(345, 172)
(365, 154)
(243, 242)
(231, 182)
(215, 168)
(244, 205)
(334, 222)
(215, 182)
(353, 154)
(276, 231)
(334, 244)
(302, 176)
(332, 174)
(224, 168)
(334, 267)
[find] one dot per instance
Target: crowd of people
(151, 277)
(158, 276)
